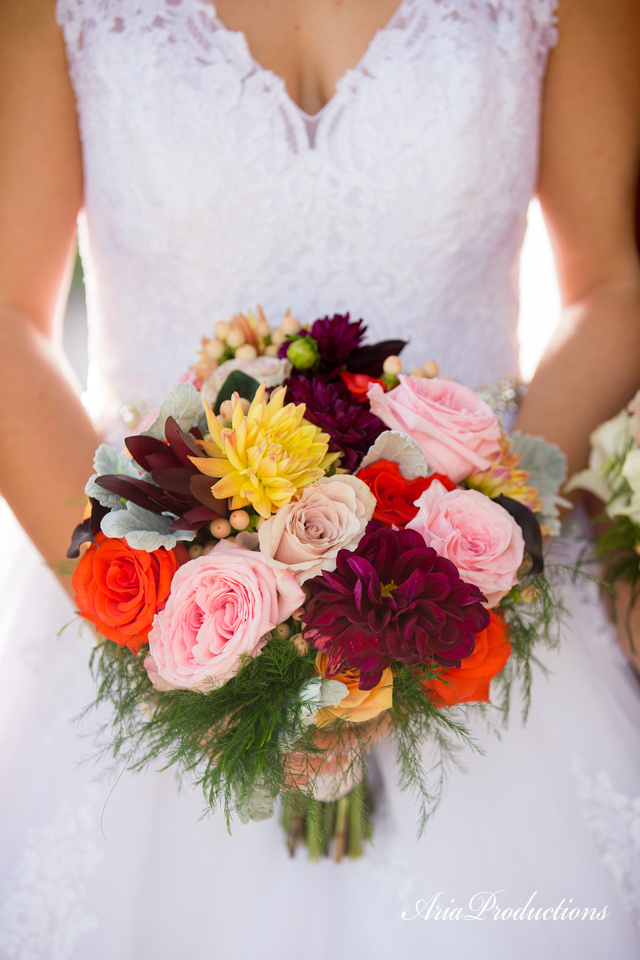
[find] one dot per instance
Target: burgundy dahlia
(332, 407)
(392, 599)
(337, 337)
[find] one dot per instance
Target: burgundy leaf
(182, 444)
(162, 461)
(194, 519)
(201, 490)
(174, 479)
(143, 494)
(141, 447)
(369, 359)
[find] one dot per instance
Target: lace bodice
(207, 190)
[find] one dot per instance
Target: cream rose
(305, 537)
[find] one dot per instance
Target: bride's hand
(627, 621)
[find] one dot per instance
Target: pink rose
(456, 430)
(476, 534)
(221, 606)
(305, 536)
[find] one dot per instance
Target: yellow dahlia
(504, 477)
(266, 456)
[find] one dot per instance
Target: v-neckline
(310, 119)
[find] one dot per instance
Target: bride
(361, 155)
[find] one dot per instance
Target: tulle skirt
(534, 851)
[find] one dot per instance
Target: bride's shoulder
(41, 172)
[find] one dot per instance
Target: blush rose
(476, 534)
(222, 606)
(456, 430)
(305, 537)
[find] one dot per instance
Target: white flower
(184, 404)
(609, 440)
(271, 370)
(631, 473)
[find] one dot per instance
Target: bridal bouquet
(305, 551)
(613, 475)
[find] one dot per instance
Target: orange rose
(358, 705)
(120, 589)
(470, 681)
(395, 495)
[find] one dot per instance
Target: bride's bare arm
(590, 161)
(46, 437)
(590, 158)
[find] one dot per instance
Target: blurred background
(540, 304)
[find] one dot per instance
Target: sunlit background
(539, 297)
(539, 303)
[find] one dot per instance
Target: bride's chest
(311, 44)
(437, 122)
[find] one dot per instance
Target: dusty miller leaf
(259, 805)
(142, 529)
(399, 448)
(184, 404)
(547, 468)
(108, 460)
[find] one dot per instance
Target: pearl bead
(289, 326)
(226, 409)
(300, 643)
(239, 519)
(235, 338)
(246, 351)
(431, 369)
(214, 349)
(220, 528)
(392, 366)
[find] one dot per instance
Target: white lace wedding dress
(207, 190)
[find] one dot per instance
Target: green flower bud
(303, 353)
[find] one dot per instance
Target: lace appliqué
(613, 818)
(44, 910)
(207, 190)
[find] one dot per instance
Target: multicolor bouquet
(613, 476)
(306, 551)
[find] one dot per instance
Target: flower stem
(342, 813)
(314, 838)
(356, 826)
